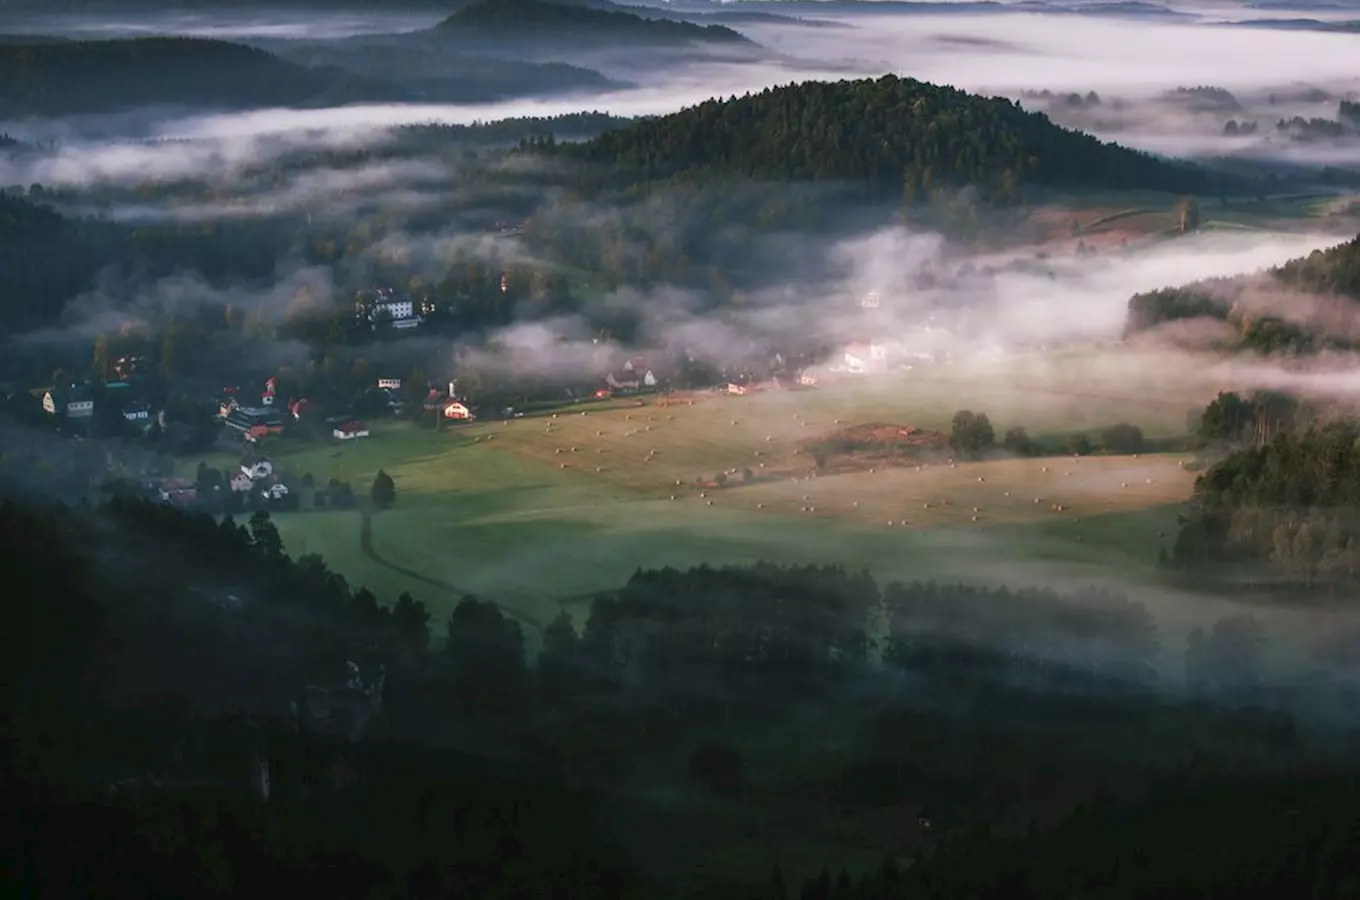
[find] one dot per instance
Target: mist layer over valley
(772, 435)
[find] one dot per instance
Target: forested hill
(1264, 312)
(544, 18)
(74, 77)
(893, 133)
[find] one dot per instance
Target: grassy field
(559, 506)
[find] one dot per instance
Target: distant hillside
(1302, 306)
(896, 135)
(571, 21)
(70, 78)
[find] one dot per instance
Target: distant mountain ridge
(567, 21)
(85, 77)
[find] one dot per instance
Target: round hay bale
(1045, 468)
(812, 509)
(926, 506)
(554, 415)
(871, 471)
(734, 421)
(702, 494)
(599, 469)
(974, 518)
(575, 449)
(805, 496)
(1149, 481)
(672, 496)
(760, 506)
(558, 451)
(981, 479)
(710, 502)
(564, 465)
(762, 465)
(1123, 484)
(855, 503)
(1007, 494)
(1038, 499)
(890, 521)
(977, 509)
(802, 509)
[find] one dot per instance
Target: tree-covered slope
(1268, 312)
(544, 18)
(69, 78)
(892, 132)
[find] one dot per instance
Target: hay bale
(974, 518)
(812, 509)
(710, 503)
(890, 521)
(672, 496)
(1149, 481)
(760, 506)
(1007, 494)
(1123, 484)
(977, 509)
(734, 421)
(927, 506)
(564, 465)
(1038, 499)
(702, 494)
(558, 451)
(599, 469)
(1045, 468)
(856, 503)
(554, 415)
(981, 479)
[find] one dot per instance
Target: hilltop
(895, 134)
(81, 77)
(540, 19)
(1299, 307)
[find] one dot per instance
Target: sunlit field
(555, 507)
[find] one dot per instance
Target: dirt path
(366, 547)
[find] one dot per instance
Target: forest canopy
(892, 134)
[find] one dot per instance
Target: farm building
(276, 491)
(300, 407)
(177, 491)
(458, 411)
(247, 419)
(240, 483)
(348, 431)
(389, 384)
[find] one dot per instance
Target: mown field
(559, 506)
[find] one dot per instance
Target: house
(624, 380)
(458, 411)
(434, 400)
(385, 305)
(74, 402)
(256, 467)
(267, 398)
(137, 411)
(300, 407)
(177, 491)
(255, 420)
(348, 431)
(227, 406)
(862, 357)
(276, 491)
(240, 483)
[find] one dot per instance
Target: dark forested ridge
(544, 18)
(1263, 311)
(75, 77)
(895, 134)
(189, 712)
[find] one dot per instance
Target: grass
(490, 509)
